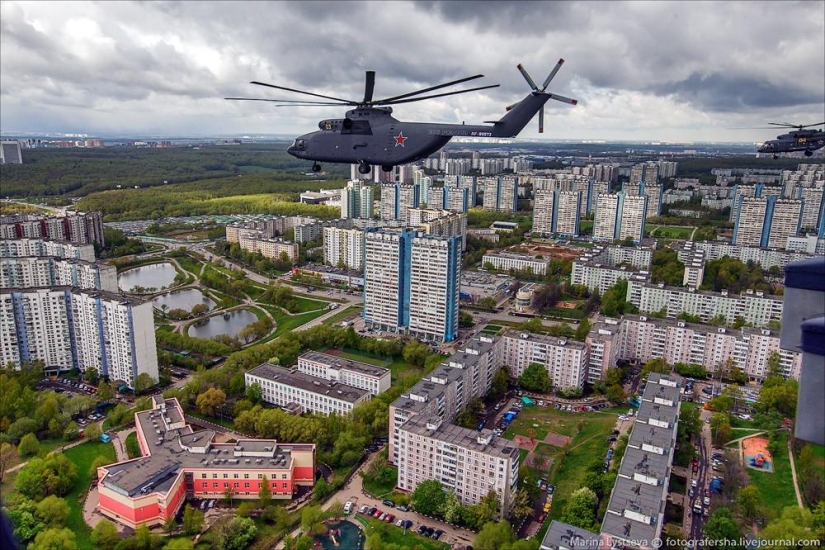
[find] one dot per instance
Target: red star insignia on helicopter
(400, 139)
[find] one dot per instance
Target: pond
(183, 299)
(147, 276)
(347, 535)
(230, 323)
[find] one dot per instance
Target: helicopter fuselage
(371, 136)
(803, 140)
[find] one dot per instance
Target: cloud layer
(641, 70)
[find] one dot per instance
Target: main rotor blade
(283, 101)
(527, 77)
(369, 86)
(552, 74)
(432, 88)
(541, 120)
(563, 99)
(435, 95)
(783, 124)
(309, 105)
(809, 125)
(347, 101)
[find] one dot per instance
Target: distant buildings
(344, 247)
(603, 266)
(178, 464)
(500, 193)
(766, 222)
(396, 200)
(556, 212)
(357, 200)
(76, 228)
(346, 371)
(505, 261)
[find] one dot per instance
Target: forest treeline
(77, 172)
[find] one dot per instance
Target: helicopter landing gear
(808, 153)
(363, 167)
(387, 167)
(316, 167)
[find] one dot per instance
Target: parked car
(691, 493)
(389, 503)
(437, 534)
(550, 489)
(371, 511)
(364, 509)
(390, 518)
(348, 507)
(693, 483)
(382, 517)
(403, 508)
(399, 523)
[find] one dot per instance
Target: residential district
(480, 352)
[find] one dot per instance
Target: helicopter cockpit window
(298, 144)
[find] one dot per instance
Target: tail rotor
(541, 90)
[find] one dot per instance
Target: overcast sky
(670, 71)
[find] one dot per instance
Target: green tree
(53, 475)
(192, 520)
(179, 544)
(265, 493)
(104, 535)
(92, 431)
(312, 518)
(23, 516)
(428, 497)
(97, 463)
(720, 428)
(53, 511)
(493, 536)
(499, 385)
(415, 353)
(535, 378)
(465, 319)
(54, 539)
(254, 393)
(29, 446)
(143, 382)
(210, 401)
(451, 508)
(749, 500)
(721, 525)
(522, 504)
(580, 510)
(7, 455)
(105, 390)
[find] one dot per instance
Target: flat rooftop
(561, 536)
(173, 450)
(545, 339)
(462, 437)
(305, 382)
(336, 362)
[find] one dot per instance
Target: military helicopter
(797, 140)
(369, 135)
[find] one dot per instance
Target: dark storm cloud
(724, 93)
(510, 17)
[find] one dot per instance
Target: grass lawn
(378, 489)
(288, 322)
(390, 534)
(777, 487)
(589, 432)
(132, 447)
(670, 232)
(82, 456)
(343, 315)
(189, 264)
(819, 456)
(306, 304)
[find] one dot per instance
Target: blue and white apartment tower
(620, 216)
(411, 283)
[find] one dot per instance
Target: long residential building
(565, 360)
(178, 464)
(620, 216)
(45, 271)
(76, 227)
(505, 261)
(500, 193)
(18, 248)
(73, 328)
(756, 308)
(767, 221)
(269, 248)
(767, 257)
(346, 371)
(468, 463)
(411, 283)
(289, 387)
(603, 266)
(448, 388)
(557, 212)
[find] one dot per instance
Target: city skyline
(641, 71)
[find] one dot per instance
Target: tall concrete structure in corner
(411, 283)
(11, 152)
(766, 221)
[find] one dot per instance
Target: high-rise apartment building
(344, 247)
(411, 283)
(18, 248)
(766, 221)
(356, 200)
(619, 216)
(813, 209)
(501, 194)
(439, 223)
(556, 212)
(45, 271)
(397, 199)
(70, 328)
(653, 192)
(76, 227)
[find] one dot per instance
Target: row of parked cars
(388, 517)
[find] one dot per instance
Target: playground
(756, 454)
